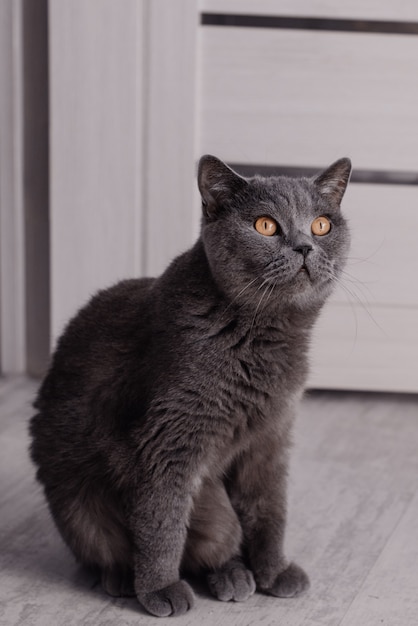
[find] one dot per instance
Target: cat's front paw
(291, 582)
(176, 599)
(233, 581)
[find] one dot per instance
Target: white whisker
(353, 296)
(240, 293)
(259, 304)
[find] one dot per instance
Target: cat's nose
(304, 249)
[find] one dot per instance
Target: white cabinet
(288, 93)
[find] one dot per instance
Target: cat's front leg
(272, 571)
(258, 493)
(158, 525)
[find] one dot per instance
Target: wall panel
(95, 66)
(172, 214)
(122, 142)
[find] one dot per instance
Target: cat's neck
(192, 285)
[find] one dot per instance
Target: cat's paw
(176, 599)
(291, 582)
(233, 581)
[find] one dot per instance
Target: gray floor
(353, 525)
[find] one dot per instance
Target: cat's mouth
(304, 270)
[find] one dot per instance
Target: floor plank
(389, 594)
(353, 507)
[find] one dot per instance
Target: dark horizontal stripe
(310, 23)
(375, 177)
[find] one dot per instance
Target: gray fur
(163, 425)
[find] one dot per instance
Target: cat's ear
(333, 182)
(218, 183)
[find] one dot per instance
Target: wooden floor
(353, 525)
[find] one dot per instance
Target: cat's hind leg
(214, 531)
(214, 544)
(93, 527)
(118, 581)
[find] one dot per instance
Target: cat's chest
(254, 379)
(253, 389)
(265, 363)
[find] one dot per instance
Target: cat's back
(105, 337)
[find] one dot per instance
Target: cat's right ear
(333, 182)
(218, 183)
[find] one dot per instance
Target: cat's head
(282, 237)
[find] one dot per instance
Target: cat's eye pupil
(321, 226)
(266, 226)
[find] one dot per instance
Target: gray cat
(163, 425)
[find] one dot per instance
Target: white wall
(12, 297)
(139, 89)
(122, 142)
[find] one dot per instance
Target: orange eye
(321, 226)
(266, 226)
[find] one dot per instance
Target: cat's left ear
(333, 182)
(218, 183)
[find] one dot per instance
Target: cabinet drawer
(383, 264)
(290, 97)
(372, 350)
(352, 9)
